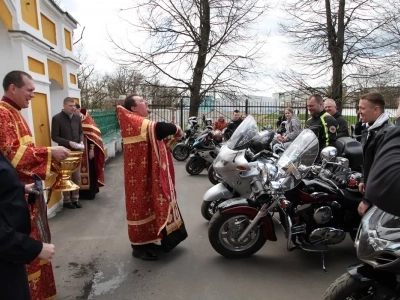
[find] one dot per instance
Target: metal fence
(266, 114)
(107, 122)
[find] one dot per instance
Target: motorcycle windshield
(378, 232)
(243, 135)
(295, 162)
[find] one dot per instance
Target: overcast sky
(102, 17)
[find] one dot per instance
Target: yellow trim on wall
(29, 13)
(68, 39)
(72, 78)
(36, 66)
(76, 100)
(55, 72)
(5, 15)
(48, 29)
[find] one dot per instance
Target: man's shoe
(69, 205)
(77, 204)
(154, 246)
(144, 255)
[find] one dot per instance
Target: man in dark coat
(331, 108)
(383, 187)
(16, 247)
(233, 124)
(372, 111)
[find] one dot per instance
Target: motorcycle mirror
(329, 153)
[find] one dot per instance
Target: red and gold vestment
(92, 136)
(16, 143)
(151, 207)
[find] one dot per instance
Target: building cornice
(30, 39)
(66, 15)
(60, 58)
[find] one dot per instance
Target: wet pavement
(94, 261)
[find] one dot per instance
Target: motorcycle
(319, 214)
(266, 137)
(235, 169)
(205, 150)
(182, 150)
(377, 245)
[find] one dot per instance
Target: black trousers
(13, 282)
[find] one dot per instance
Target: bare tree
(92, 85)
(196, 45)
(332, 40)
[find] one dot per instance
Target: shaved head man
(331, 108)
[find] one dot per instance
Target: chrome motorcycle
(235, 169)
(312, 221)
(378, 246)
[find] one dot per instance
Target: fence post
(181, 118)
(246, 108)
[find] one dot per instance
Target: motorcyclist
(383, 187)
(209, 124)
(372, 111)
(323, 124)
(331, 108)
(232, 125)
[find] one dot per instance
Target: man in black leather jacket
(331, 108)
(372, 111)
(323, 124)
(232, 125)
(383, 187)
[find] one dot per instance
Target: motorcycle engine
(314, 213)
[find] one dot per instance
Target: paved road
(94, 259)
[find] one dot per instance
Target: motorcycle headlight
(379, 231)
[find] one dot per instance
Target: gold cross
(135, 214)
(149, 212)
(144, 162)
(131, 164)
(161, 199)
(132, 180)
(134, 198)
(152, 229)
(129, 129)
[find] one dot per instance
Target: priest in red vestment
(17, 145)
(151, 207)
(93, 158)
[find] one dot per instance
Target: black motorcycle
(182, 150)
(205, 150)
(377, 244)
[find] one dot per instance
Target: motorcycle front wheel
(209, 208)
(211, 175)
(180, 152)
(347, 287)
(195, 165)
(224, 231)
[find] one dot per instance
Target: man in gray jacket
(66, 130)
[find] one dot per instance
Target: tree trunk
(198, 71)
(335, 46)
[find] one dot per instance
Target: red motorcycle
(316, 204)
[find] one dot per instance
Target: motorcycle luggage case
(350, 149)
